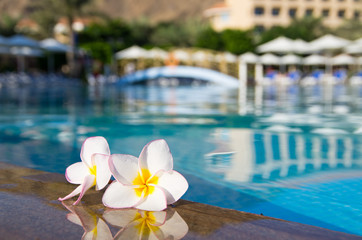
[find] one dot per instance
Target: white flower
(94, 226)
(138, 224)
(93, 170)
(147, 183)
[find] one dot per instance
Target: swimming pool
(295, 156)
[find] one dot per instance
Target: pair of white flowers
(147, 183)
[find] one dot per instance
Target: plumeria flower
(92, 170)
(147, 183)
(94, 226)
(139, 224)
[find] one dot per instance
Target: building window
(275, 11)
(341, 13)
(309, 12)
(325, 12)
(225, 17)
(292, 12)
(356, 14)
(259, 11)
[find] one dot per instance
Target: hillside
(153, 10)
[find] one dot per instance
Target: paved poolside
(30, 210)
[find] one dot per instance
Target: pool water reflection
(294, 154)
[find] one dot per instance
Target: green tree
(307, 29)
(236, 41)
(177, 33)
(210, 39)
(114, 35)
(140, 32)
(99, 51)
(169, 34)
(351, 29)
(7, 25)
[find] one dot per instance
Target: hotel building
(262, 14)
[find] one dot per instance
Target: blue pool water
(294, 155)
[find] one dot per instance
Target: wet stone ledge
(30, 210)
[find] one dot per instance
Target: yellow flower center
(93, 170)
(145, 224)
(143, 181)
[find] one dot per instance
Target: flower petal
(72, 194)
(156, 156)
(103, 174)
(173, 184)
(131, 231)
(124, 168)
(86, 219)
(175, 227)
(118, 195)
(103, 231)
(89, 235)
(93, 145)
(74, 218)
(154, 218)
(76, 173)
(81, 189)
(87, 184)
(120, 217)
(155, 201)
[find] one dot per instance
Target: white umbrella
(269, 59)
(22, 46)
(229, 57)
(201, 56)
(131, 53)
(19, 40)
(314, 59)
(328, 42)
(343, 59)
(355, 47)
(26, 51)
(301, 46)
(52, 45)
(249, 58)
(291, 59)
(278, 45)
(21, 52)
(181, 55)
(4, 46)
(3, 40)
(226, 56)
(157, 53)
(359, 60)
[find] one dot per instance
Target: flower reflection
(139, 224)
(94, 226)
